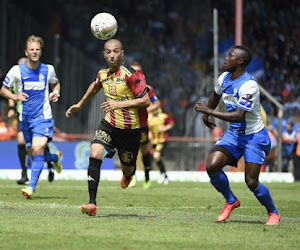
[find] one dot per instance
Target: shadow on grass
(126, 216)
(49, 198)
(243, 222)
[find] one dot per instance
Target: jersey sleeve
(248, 95)
(137, 83)
(152, 95)
(168, 120)
(218, 84)
(52, 78)
(98, 80)
(13, 76)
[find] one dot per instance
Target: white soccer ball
(104, 26)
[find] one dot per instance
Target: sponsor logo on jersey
(245, 102)
(41, 77)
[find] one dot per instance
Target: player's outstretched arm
(89, 94)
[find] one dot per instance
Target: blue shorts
(254, 147)
(37, 128)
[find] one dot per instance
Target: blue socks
(221, 183)
(263, 195)
(36, 169)
(50, 157)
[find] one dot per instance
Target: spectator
(289, 138)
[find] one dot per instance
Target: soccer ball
(104, 26)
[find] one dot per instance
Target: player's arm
(55, 94)
(5, 92)
(153, 106)
(11, 108)
(93, 89)
(140, 102)
(213, 102)
(235, 116)
(168, 125)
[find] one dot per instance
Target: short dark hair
(247, 54)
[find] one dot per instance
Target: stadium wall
(75, 161)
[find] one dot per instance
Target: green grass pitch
(178, 216)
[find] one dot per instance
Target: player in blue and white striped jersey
(246, 136)
(32, 80)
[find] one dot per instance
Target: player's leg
(157, 156)
(37, 150)
(22, 154)
(128, 165)
(101, 147)
(219, 157)
(256, 153)
(146, 157)
(50, 165)
(128, 144)
(98, 153)
(95, 162)
(53, 158)
(260, 191)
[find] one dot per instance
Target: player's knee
(37, 149)
(212, 166)
(252, 183)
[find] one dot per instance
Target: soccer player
(14, 110)
(246, 136)
(159, 125)
(144, 148)
(125, 110)
(32, 80)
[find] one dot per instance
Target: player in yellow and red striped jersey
(127, 98)
(159, 124)
(145, 144)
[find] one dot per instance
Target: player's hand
(74, 108)
(53, 96)
(201, 107)
(10, 113)
(110, 105)
(161, 129)
(207, 122)
(22, 97)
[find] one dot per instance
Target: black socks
(147, 165)
(22, 153)
(93, 178)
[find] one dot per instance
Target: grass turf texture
(177, 216)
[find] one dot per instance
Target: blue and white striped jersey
(35, 83)
(242, 92)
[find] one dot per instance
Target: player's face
(113, 54)
(231, 61)
(33, 51)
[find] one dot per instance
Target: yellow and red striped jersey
(155, 121)
(124, 84)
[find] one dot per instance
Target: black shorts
(126, 141)
(159, 147)
(144, 135)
